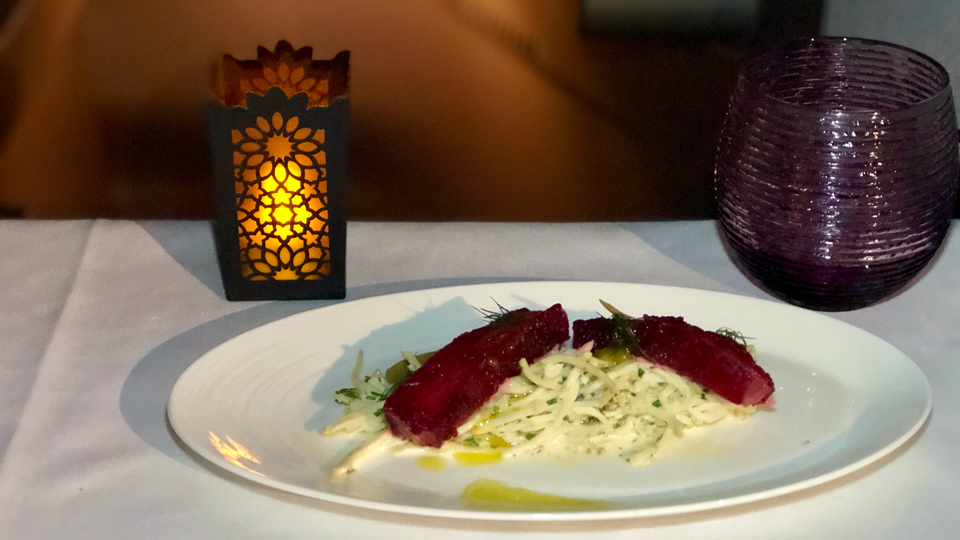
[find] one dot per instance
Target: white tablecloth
(98, 319)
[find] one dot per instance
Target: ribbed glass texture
(837, 169)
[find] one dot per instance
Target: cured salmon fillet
(711, 360)
(431, 404)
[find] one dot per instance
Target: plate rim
(174, 415)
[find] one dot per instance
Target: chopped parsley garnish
(349, 393)
(657, 403)
(551, 401)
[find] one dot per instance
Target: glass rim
(941, 73)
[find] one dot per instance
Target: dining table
(100, 318)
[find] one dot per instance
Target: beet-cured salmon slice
(711, 360)
(431, 404)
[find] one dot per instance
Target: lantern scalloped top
(292, 70)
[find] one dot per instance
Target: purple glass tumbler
(837, 169)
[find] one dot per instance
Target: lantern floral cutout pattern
(280, 172)
(292, 82)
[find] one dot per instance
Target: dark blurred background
(520, 110)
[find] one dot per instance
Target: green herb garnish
(551, 401)
(471, 441)
(657, 403)
(502, 315)
(623, 336)
(734, 335)
(348, 393)
(623, 341)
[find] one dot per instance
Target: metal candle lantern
(278, 138)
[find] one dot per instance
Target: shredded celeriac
(568, 403)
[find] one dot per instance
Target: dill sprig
(734, 335)
(491, 316)
(624, 338)
(623, 335)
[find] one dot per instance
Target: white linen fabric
(98, 319)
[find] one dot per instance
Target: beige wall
(461, 109)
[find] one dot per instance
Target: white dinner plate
(255, 405)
